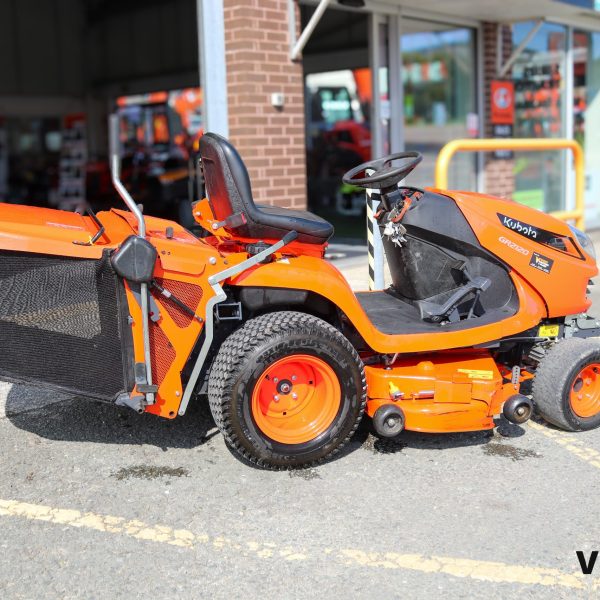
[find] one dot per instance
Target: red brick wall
(499, 177)
(270, 140)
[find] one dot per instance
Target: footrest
(434, 313)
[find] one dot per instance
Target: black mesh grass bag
(63, 322)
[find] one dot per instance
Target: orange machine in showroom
(486, 295)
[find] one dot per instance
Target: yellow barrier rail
(523, 144)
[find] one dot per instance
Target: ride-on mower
(486, 295)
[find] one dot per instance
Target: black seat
(230, 196)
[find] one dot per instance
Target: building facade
(305, 89)
(388, 76)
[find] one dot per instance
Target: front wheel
(566, 388)
(287, 390)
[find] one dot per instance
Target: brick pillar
(271, 140)
(499, 177)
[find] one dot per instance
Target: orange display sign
(502, 99)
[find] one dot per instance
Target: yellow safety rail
(524, 144)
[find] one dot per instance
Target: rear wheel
(566, 389)
(287, 390)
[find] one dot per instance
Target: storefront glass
(586, 115)
(539, 75)
(439, 77)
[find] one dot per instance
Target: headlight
(585, 241)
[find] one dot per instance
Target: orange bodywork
(316, 275)
(564, 288)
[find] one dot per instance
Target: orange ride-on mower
(486, 296)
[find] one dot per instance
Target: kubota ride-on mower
(486, 295)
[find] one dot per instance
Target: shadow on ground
(369, 440)
(82, 420)
(63, 418)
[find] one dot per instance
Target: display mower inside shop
(45, 161)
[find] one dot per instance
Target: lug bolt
(294, 378)
(275, 380)
(276, 398)
(295, 396)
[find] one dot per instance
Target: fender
(317, 275)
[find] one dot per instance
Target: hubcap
(585, 391)
(296, 399)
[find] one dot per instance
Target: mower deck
(393, 316)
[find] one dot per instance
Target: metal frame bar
(568, 116)
(396, 86)
(377, 148)
(213, 67)
(297, 45)
(374, 242)
(214, 281)
(519, 49)
(115, 162)
(480, 103)
(524, 144)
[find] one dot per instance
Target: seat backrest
(227, 181)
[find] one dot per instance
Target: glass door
(586, 115)
(440, 90)
(540, 77)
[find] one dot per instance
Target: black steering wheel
(384, 176)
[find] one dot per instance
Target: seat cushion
(273, 222)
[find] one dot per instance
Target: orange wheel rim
(585, 391)
(296, 399)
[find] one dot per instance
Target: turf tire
(554, 378)
(246, 354)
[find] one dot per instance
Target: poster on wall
(502, 113)
(502, 98)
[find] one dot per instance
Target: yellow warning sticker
(477, 374)
(549, 330)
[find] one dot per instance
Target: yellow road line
(570, 442)
(497, 572)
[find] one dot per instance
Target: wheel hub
(585, 391)
(284, 387)
(296, 399)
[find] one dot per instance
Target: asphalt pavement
(99, 502)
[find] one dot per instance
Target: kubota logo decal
(522, 228)
(513, 246)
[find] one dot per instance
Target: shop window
(439, 96)
(539, 78)
(586, 115)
